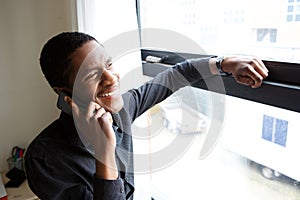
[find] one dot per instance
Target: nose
(109, 77)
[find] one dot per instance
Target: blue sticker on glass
(275, 130)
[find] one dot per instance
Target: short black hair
(55, 56)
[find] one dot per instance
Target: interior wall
(27, 103)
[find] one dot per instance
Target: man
(87, 153)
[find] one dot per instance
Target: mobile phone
(62, 104)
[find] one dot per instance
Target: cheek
(85, 92)
(113, 104)
(117, 74)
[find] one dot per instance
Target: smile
(106, 95)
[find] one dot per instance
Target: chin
(118, 106)
(114, 107)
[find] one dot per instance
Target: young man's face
(94, 78)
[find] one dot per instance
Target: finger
(252, 79)
(245, 80)
(249, 76)
(99, 113)
(256, 77)
(107, 117)
(104, 118)
(260, 67)
(105, 122)
(92, 109)
(97, 106)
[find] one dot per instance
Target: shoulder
(43, 140)
(60, 131)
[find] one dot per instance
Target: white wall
(27, 103)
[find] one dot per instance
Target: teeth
(107, 94)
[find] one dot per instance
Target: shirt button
(122, 190)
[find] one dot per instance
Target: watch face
(219, 61)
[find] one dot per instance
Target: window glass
(247, 162)
(244, 27)
(290, 8)
(289, 18)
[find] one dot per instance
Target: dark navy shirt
(58, 166)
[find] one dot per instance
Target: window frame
(280, 89)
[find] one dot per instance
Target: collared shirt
(58, 165)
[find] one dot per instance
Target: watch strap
(219, 60)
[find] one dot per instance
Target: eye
(109, 65)
(93, 75)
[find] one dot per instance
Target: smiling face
(94, 78)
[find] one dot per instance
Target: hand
(246, 70)
(94, 126)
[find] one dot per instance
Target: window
(218, 27)
(290, 8)
(259, 28)
(258, 149)
(293, 11)
(289, 18)
(266, 35)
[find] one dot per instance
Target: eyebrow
(108, 60)
(86, 71)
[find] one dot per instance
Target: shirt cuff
(109, 189)
(202, 65)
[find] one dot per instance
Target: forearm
(211, 68)
(107, 184)
(106, 171)
(109, 189)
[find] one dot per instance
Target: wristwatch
(219, 60)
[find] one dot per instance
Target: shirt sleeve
(49, 186)
(109, 189)
(164, 84)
